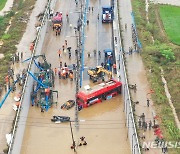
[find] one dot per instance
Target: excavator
(98, 73)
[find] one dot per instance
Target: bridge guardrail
(122, 75)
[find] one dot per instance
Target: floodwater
(102, 124)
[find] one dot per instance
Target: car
(59, 119)
(69, 104)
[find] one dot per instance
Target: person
(89, 54)
(125, 26)
(21, 55)
(87, 22)
(98, 16)
(67, 16)
(59, 74)
(80, 144)
(55, 70)
(89, 8)
(85, 143)
(63, 47)
(66, 42)
(92, 9)
(71, 76)
(148, 102)
(82, 138)
(139, 123)
(99, 52)
(150, 124)
(143, 136)
(59, 52)
(60, 64)
(94, 53)
(65, 65)
(114, 67)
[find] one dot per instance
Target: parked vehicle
(59, 119)
(107, 14)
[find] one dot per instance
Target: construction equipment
(107, 14)
(98, 73)
(57, 22)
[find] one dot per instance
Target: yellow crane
(98, 73)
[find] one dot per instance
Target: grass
(170, 16)
(163, 54)
(2, 4)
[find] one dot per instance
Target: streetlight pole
(74, 144)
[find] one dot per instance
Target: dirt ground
(171, 2)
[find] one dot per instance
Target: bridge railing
(122, 76)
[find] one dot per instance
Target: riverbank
(5, 6)
(159, 53)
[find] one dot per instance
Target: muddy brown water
(102, 124)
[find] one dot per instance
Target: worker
(82, 138)
(21, 55)
(59, 74)
(114, 67)
(94, 53)
(85, 143)
(63, 47)
(66, 42)
(7, 79)
(71, 76)
(65, 65)
(148, 102)
(87, 22)
(55, 71)
(67, 17)
(60, 64)
(125, 26)
(59, 53)
(31, 47)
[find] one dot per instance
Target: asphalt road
(103, 124)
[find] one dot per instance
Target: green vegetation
(170, 16)
(156, 54)
(12, 38)
(2, 4)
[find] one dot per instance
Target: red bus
(96, 94)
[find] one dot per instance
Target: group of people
(82, 142)
(143, 124)
(134, 37)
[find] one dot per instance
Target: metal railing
(122, 75)
(21, 115)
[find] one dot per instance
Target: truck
(107, 14)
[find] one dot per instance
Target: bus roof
(92, 91)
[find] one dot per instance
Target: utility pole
(74, 144)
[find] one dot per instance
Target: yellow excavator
(98, 73)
